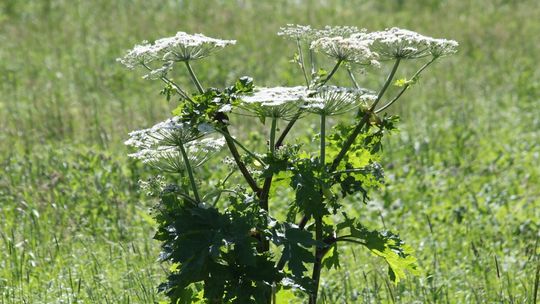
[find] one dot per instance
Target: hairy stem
(193, 77)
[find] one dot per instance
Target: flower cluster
(349, 49)
(332, 100)
(181, 47)
(396, 43)
(277, 102)
(351, 44)
(159, 146)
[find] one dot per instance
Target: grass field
(464, 172)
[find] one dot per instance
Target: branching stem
(406, 86)
(237, 158)
(169, 81)
(242, 146)
(365, 119)
(193, 77)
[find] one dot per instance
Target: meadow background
(463, 173)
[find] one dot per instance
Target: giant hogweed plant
(221, 236)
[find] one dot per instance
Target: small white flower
(277, 102)
(351, 49)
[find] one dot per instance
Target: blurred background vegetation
(463, 172)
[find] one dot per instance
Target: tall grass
(463, 173)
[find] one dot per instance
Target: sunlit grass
(463, 172)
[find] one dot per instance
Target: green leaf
(387, 245)
(331, 259)
(307, 186)
(296, 252)
(285, 296)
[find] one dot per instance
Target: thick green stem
(323, 143)
(316, 276)
(194, 78)
(319, 251)
(190, 173)
(272, 144)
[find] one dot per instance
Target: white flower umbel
(159, 146)
(169, 133)
(354, 50)
(170, 159)
(396, 43)
(181, 47)
(140, 54)
(334, 100)
(277, 102)
(297, 31)
(443, 47)
(185, 47)
(339, 31)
